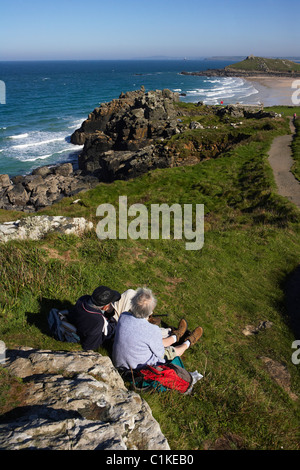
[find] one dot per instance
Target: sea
(42, 103)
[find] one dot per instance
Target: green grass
(238, 277)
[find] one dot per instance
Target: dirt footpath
(280, 159)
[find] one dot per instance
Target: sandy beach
(275, 91)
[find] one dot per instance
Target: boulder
(113, 165)
(35, 228)
(42, 171)
(18, 195)
(76, 401)
(4, 181)
(66, 169)
(43, 187)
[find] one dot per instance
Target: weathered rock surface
(35, 228)
(43, 187)
(251, 330)
(245, 111)
(76, 401)
(119, 136)
(130, 122)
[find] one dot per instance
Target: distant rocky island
(254, 66)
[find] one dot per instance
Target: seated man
(138, 343)
(93, 317)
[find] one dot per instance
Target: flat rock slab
(35, 228)
(76, 401)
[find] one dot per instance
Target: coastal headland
(129, 136)
(254, 67)
(272, 78)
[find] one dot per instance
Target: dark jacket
(92, 326)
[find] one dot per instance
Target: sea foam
(37, 144)
(19, 136)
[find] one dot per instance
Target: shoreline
(273, 91)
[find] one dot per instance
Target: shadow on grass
(40, 320)
(292, 301)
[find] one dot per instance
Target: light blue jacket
(137, 343)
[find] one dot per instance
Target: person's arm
(156, 344)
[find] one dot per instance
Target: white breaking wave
(70, 149)
(44, 145)
(40, 157)
(223, 89)
(38, 144)
(76, 124)
(19, 136)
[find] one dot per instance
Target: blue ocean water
(46, 101)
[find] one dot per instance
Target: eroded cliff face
(131, 122)
(120, 138)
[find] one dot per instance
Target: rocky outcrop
(120, 137)
(245, 111)
(130, 122)
(35, 228)
(76, 401)
(43, 187)
(122, 165)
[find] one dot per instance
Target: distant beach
(273, 91)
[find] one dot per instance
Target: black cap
(104, 295)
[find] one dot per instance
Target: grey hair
(143, 303)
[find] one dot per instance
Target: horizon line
(181, 58)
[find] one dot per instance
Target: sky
(130, 29)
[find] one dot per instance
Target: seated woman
(138, 343)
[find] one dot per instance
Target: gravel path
(280, 159)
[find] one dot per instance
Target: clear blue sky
(115, 29)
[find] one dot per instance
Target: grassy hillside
(260, 64)
(238, 278)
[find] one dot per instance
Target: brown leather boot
(182, 327)
(154, 320)
(195, 335)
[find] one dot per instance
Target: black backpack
(61, 329)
